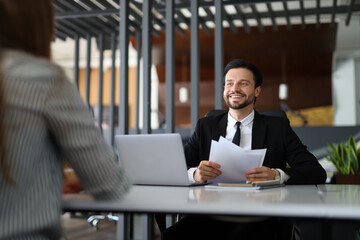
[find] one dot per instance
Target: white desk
(334, 202)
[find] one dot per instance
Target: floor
(76, 227)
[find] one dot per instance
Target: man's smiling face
(239, 89)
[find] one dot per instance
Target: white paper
(234, 160)
(222, 188)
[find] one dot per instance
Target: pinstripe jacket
(46, 121)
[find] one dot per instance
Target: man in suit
(286, 158)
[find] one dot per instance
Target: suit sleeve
(304, 167)
(192, 148)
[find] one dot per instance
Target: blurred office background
(308, 52)
(147, 66)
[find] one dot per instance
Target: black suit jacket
(273, 133)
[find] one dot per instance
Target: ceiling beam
(257, 17)
(242, 18)
(303, 25)
(333, 13)
(272, 16)
(317, 13)
(288, 22)
(229, 19)
(349, 12)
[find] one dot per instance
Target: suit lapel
(258, 132)
(220, 128)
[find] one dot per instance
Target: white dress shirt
(245, 142)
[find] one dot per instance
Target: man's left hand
(261, 173)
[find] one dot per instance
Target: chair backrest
(215, 112)
(274, 113)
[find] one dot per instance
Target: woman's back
(46, 121)
(43, 121)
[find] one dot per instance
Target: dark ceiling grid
(96, 22)
(78, 18)
(161, 11)
(182, 18)
(204, 26)
(297, 12)
(60, 34)
(317, 13)
(80, 26)
(286, 11)
(135, 25)
(114, 23)
(333, 13)
(257, 17)
(109, 19)
(72, 33)
(107, 5)
(229, 19)
(272, 16)
(303, 25)
(185, 20)
(210, 15)
(137, 7)
(77, 24)
(242, 17)
(137, 19)
(347, 21)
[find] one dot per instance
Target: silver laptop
(154, 159)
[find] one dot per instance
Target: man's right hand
(207, 170)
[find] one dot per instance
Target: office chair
(93, 220)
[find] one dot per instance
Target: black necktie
(237, 136)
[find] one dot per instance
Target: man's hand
(71, 183)
(261, 173)
(207, 170)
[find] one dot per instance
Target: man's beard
(238, 105)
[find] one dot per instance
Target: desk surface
(322, 201)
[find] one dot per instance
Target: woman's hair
(3, 162)
(28, 26)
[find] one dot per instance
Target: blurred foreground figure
(42, 121)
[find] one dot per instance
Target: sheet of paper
(234, 160)
(221, 188)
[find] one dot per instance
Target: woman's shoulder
(20, 65)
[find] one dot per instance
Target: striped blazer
(46, 121)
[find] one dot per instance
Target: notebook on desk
(154, 159)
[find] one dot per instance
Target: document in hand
(234, 160)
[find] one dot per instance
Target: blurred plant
(345, 156)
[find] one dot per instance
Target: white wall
(346, 74)
(63, 53)
(344, 92)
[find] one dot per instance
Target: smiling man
(286, 157)
(242, 85)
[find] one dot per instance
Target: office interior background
(156, 66)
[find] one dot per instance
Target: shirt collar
(246, 121)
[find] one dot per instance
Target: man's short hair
(239, 63)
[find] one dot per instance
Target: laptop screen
(153, 159)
